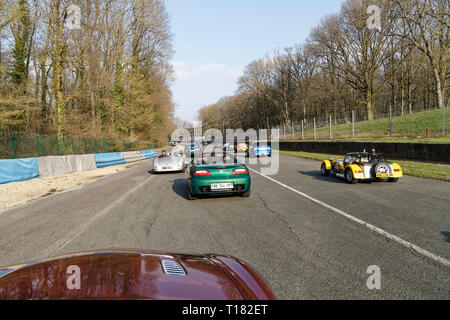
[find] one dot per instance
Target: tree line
(345, 66)
(107, 74)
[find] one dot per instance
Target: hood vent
(171, 267)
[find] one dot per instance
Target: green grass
(404, 128)
(445, 139)
(417, 169)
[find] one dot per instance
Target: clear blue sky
(215, 40)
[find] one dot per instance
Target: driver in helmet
(163, 154)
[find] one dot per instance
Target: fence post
(73, 146)
(85, 146)
(38, 146)
(390, 121)
(331, 133)
(14, 147)
(303, 130)
(104, 145)
(292, 129)
(57, 145)
(315, 129)
(443, 118)
(95, 144)
(353, 123)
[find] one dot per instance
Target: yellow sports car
(362, 166)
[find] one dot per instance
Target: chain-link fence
(432, 123)
(22, 145)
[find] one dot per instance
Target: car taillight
(240, 171)
(202, 173)
(397, 170)
(358, 171)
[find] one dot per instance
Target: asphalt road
(304, 248)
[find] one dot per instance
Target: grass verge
(411, 168)
(405, 128)
(443, 139)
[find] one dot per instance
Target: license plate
(384, 175)
(167, 168)
(222, 186)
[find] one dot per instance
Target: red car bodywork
(129, 274)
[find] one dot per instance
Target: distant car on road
(361, 166)
(218, 179)
(192, 149)
(228, 146)
(242, 147)
(134, 275)
(170, 163)
(258, 149)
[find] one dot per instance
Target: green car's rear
(219, 179)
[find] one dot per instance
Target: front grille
(172, 267)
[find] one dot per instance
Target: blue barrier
(14, 170)
(18, 170)
(108, 159)
(148, 154)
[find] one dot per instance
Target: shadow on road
(161, 173)
(180, 188)
(446, 234)
(318, 176)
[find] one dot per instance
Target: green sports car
(218, 179)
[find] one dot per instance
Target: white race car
(171, 163)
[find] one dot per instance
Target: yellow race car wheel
(324, 171)
(349, 177)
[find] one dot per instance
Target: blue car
(261, 149)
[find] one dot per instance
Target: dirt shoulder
(17, 193)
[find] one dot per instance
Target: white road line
(405, 243)
(81, 228)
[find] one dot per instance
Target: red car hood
(134, 275)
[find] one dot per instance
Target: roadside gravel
(17, 193)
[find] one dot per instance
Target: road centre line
(386, 234)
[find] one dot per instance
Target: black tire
(246, 194)
(393, 180)
(191, 196)
(349, 177)
(324, 171)
(375, 170)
